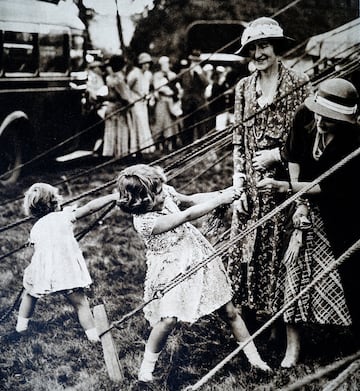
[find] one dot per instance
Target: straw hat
(260, 29)
(144, 58)
(164, 60)
(336, 99)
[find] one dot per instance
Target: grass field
(55, 355)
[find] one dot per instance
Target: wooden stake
(110, 353)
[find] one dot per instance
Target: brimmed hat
(163, 60)
(144, 58)
(195, 55)
(336, 99)
(259, 29)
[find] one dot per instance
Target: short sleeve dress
(172, 253)
(57, 263)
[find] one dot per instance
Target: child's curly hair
(41, 199)
(138, 186)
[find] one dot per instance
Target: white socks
(22, 324)
(92, 335)
(147, 366)
(254, 357)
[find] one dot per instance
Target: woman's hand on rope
(270, 184)
(266, 158)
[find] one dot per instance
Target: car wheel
(10, 159)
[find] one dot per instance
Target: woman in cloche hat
(323, 133)
(269, 97)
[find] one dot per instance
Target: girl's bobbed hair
(41, 199)
(138, 186)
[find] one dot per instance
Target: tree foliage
(163, 30)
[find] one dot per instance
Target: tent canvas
(336, 43)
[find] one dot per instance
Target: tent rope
(78, 237)
(332, 266)
(321, 373)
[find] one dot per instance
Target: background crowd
(146, 104)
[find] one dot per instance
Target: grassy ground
(55, 355)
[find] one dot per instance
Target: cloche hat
(259, 29)
(195, 55)
(144, 58)
(336, 99)
(163, 60)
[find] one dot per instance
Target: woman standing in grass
(265, 104)
(174, 246)
(57, 265)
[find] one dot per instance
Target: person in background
(194, 105)
(208, 70)
(57, 265)
(217, 99)
(167, 92)
(119, 135)
(174, 246)
(139, 81)
(324, 132)
(94, 107)
(265, 104)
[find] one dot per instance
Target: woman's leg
(26, 310)
(81, 305)
(231, 315)
(293, 346)
(157, 339)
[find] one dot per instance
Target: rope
(223, 248)
(14, 251)
(217, 161)
(11, 225)
(12, 307)
(28, 219)
(342, 377)
(78, 237)
(128, 106)
(285, 8)
(355, 63)
(351, 250)
(320, 373)
(3, 256)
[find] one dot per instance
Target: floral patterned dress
(172, 253)
(254, 260)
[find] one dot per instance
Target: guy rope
(78, 237)
(223, 248)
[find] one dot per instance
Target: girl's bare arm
(195, 199)
(168, 222)
(95, 205)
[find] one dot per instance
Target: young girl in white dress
(173, 246)
(57, 264)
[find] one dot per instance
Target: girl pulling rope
(173, 246)
(57, 265)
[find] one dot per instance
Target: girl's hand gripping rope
(240, 204)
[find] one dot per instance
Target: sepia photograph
(179, 195)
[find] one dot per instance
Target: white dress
(171, 253)
(57, 263)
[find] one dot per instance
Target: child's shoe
(22, 324)
(92, 335)
(147, 366)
